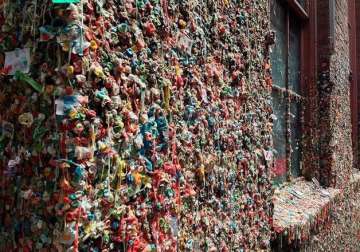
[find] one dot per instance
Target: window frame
(307, 74)
(298, 10)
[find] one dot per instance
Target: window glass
(295, 138)
(279, 136)
(286, 67)
(278, 55)
(294, 54)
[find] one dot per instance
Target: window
(287, 96)
(353, 9)
(302, 3)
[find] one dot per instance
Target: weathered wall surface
(342, 232)
(334, 90)
(340, 109)
(147, 124)
(141, 125)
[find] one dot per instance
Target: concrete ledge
(302, 207)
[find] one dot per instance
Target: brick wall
(342, 233)
(334, 87)
(330, 138)
(340, 113)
